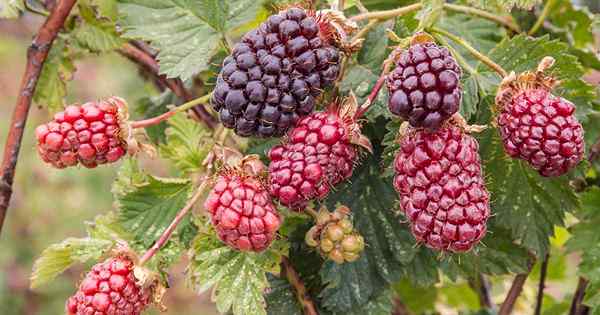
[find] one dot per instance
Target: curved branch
(308, 306)
(514, 292)
(36, 57)
(147, 62)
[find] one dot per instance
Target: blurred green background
(49, 205)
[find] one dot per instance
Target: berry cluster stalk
(36, 57)
(160, 118)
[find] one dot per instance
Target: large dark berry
(274, 75)
(441, 188)
(109, 288)
(541, 129)
(242, 212)
(424, 88)
(318, 154)
(89, 134)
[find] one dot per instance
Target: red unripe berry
(441, 187)
(109, 288)
(242, 212)
(89, 135)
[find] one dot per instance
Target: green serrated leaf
(10, 9)
(147, 209)
(380, 305)
(129, 176)
(96, 32)
(430, 13)
(58, 257)
(187, 144)
(239, 277)
(375, 48)
(51, 88)
(281, 298)
(184, 41)
(107, 227)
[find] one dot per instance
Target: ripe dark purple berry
(274, 74)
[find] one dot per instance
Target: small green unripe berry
(310, 238)
(335, 232)
(352, 243)
(346, 225)
(337, 256)
(323, 217)
(350, 257)
(326, 245)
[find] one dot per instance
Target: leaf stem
(162, 117)
(308, 306)
(507, 22)
(541, 18)
(541, 285)
(577, 307)
(36, 57)
(171, 228)
(481, 57)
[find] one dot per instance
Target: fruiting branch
(541, 285)
(541, 18)
(308, 306)
(148, 62)
(577, 307)
(36, 57)
(158, 119)
(171, 228)
(481, 57)
(514, 292)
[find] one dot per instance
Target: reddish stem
(171, 228)
(36, 57)
(147, 62)
(162, 117)
(308, 306)
(511, 298)
(374, 92)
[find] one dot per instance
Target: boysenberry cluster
(242, 212)
(89, 134)
(424, 87)
(274, 74)
(441, 187)
(109, 289)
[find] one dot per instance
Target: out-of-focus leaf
(10, 9)
(58, 257)
(51, 88)
(419, 300)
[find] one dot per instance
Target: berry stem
(541, 18)
(171, 228)
(162, 117)
(388, 14)
(481, 57)
(36, 57)
(374, 92)
(302, 295)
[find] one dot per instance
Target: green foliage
(494, 5)
(10, 9)
(239, 277)
(58, 257)
(59, 68)
(97, 32)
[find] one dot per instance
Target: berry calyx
(319, 153)
(441, 186)
(537, 126)
(273, 76)
(242, 211)
(334, 236)
(90, 134)
(110, 288)
(424, 87)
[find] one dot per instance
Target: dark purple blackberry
(425, 88)
(274, 74)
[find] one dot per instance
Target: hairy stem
(514, 292)
(36, 57)
(162, 117)
(540, 20)
(577, 307)
(541, 286)
(148, 63)
(171, 228)
(481, 57)
(308, 306)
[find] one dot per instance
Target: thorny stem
(514, 292)
(577, 307)
(481, 57)
(181, 108)
(171, 228)
(542, 285)
(147, 62)
(541, 18)
(388, 14)
(36, 57)
(308, 306)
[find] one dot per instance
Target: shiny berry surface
(274, 74)
(242, 212)
(88, 135)
(442, 190)
(541, 129)
(317, 156)
(109, 289)
(424, 87)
